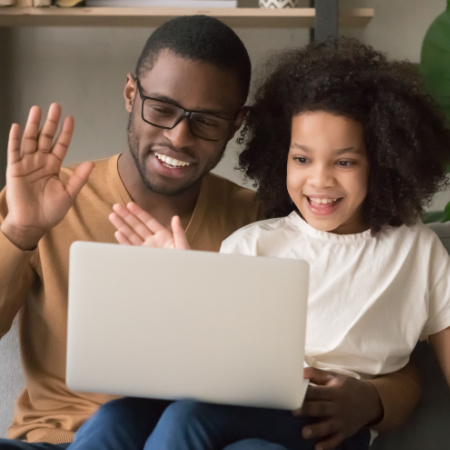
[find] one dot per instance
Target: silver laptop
(174, 324)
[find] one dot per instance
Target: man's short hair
(199, 38)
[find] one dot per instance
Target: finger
(318, 376)
(14, 144)
(63, 141)
(31, 132)
(79, 179)
(125, 231)
(45, 141)
(331, 442)
(150, 222)
(179, 236)
(321, 430)
(318, 408)
(135, 223)
(314, 393)
(121, 238)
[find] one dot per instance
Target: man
(186, 101)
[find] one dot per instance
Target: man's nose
(180, 135)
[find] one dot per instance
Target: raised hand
(37, 200)
(343, 404)
(137, 227)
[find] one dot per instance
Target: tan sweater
(35, 285)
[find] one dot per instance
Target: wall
(5, 97)
(84, 69)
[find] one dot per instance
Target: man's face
(169, 162)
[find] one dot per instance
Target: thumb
(318, 376)
(179, 236)
(79, 179)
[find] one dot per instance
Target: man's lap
(13, 444)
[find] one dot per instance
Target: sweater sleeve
(16, 275)
(399, 394)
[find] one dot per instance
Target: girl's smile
(327, 171)
(322, 205)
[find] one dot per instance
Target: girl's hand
(37, 199)
(137, 227)
(343, 405)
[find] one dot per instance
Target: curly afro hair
(406, 137)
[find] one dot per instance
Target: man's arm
(441, 345)
(33, 202)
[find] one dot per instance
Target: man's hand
(37, 200)
(137, 227)
(342, 404)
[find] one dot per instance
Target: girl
(345, 150)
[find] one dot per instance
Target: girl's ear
(129, 92)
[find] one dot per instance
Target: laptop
(173, 324)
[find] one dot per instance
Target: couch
(427, 429)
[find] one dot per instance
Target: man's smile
(171, 162)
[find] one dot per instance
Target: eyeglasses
(161, 114)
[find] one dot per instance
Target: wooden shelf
(140, 17)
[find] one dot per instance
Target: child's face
(327, 171)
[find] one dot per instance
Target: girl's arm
(441, 345)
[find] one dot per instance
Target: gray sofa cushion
(11, 377)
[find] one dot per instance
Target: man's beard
(133, 145)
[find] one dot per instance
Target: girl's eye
(346, 163)
(301, 160)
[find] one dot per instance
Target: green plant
(435, 69)
(437, 216)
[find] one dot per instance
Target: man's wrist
(25, 240)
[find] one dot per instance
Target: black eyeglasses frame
(183, 113)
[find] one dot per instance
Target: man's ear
(240, 119)
(241, 115)
(129, 92)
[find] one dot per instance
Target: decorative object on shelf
(23, 3)
(163, 3)
(69, 3)
(275, 4)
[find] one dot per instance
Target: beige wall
(84, 69)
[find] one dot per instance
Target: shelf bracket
(326, 23)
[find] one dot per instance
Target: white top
(370, 298)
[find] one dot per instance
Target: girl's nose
(321, 176)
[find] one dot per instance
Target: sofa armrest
(11, 377)
(428, 426)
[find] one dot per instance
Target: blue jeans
(13, 444)
(142, 424)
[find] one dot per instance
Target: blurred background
(84, 69)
